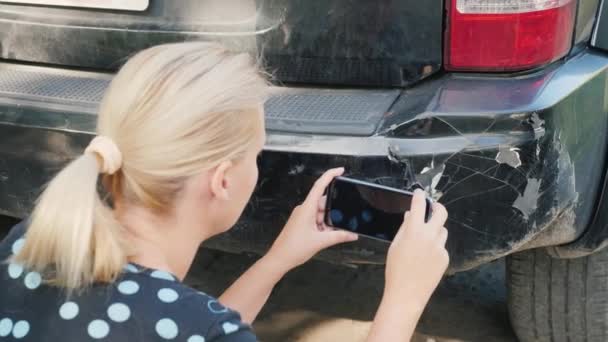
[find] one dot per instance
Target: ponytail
(73, 239)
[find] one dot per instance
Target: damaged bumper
(518, 162)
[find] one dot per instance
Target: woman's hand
(417, 258)
(305, 233)
(304, 236)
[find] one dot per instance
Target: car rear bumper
(517, 161)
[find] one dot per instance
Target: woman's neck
(164, 243)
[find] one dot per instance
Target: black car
(499, 109)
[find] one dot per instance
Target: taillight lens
(507, 35)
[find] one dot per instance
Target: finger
(318, 189)
(418, 209)
(443, 236)
(322, 203)
(406, 215)
(446, 256)
(404, 226)
(439, 216)
(320, 217)
(333, 237)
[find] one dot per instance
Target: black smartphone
(368, 209)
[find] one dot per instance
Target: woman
(179, 130)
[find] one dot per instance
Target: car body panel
(586, 18)
(335, 42)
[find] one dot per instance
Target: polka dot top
(142, 305)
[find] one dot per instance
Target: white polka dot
(17, 245)
(119, 312)
(98, 329)
(32, 280)
(15, 270)
(167, 295)
(166, 328)
(229, 328)
(128, 287)
(215, 307)
(162, 275)
(21, 329)
(196, 338)
(68, 310)
(6, 326)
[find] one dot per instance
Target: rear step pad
(296, 110)
(329, 111)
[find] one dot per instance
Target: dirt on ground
(323, 302)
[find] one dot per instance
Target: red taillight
(507, 35)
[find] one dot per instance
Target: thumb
(405, 225)
(334, 237)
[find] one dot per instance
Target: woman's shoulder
(13, 241)
(174, 309)
(142, 305)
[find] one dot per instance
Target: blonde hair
(173, 111)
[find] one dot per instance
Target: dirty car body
(518, 158)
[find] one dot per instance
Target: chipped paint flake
(429, 177)
(528, 202)
(538, 125)
(509, 156)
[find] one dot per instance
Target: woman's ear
(220, 180)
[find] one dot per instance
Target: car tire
(558, 299)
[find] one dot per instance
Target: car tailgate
(383, 43)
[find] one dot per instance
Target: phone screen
(366, 208)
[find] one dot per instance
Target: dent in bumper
(516, 161)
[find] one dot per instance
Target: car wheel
(558, 299)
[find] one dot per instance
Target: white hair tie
(106, 149)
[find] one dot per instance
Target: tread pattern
(71, 86)
(558, 300)
(354, 112)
